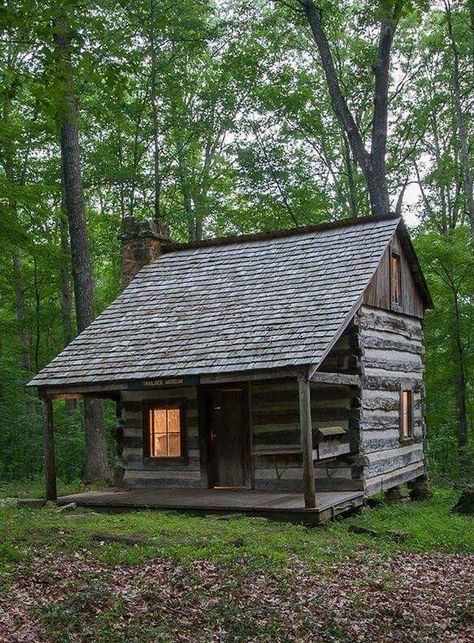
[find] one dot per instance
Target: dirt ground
(404, 597)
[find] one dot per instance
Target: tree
(96, 465)
(443, 235)
(371, 161)
(460, 117)
(216, 117)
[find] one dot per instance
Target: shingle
(247, 305)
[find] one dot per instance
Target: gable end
(414, 294)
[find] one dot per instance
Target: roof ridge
(276, 234)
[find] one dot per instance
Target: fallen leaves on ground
(407, 597)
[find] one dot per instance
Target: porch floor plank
(281, 505)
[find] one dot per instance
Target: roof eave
(108, 388)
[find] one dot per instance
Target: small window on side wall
(164, 432)
(395, 279)
(406, 414)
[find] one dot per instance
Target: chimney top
(142, 243)
(133, 228)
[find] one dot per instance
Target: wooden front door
(228, 437)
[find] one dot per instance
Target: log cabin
(275, 374)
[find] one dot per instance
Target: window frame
(394, 304)
(149, 459)
(407, 439)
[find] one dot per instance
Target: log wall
(158, 474)
(384, 347)
(275, 430)
(391, 348)
(276, 435)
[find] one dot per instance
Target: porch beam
(48, 445)
(335, 378)
(250, 376)
(66, 396)
(306, 430)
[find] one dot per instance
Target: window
(164, 438)
(406, 414)
(395, 279)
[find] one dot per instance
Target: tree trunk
(378, 191)
(65, 276)
(20, 308)
(352, 191)
(96, 465)
(463, 138)
(66, 294)
(460, 384)
(155, 119)
(372, 164)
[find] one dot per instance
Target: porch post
(307, 442)
(48, 445)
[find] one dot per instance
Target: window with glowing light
(164, 432)
(406, 415)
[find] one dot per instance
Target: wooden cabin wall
(378, 295)
(158, 474)
(391, 347)
(343, 356)
(276, 430)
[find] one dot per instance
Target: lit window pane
(406, 414)
(174, 444)
(160, 420)
(173, 421)
(165, 433)
(160, 446)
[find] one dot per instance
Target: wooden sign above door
(162, 382)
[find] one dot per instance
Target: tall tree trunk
(460, 385)
(463, 138)
(66, 294)
(96, 466)
(20, 310)
(20, 306)
(155, 119)
(371, 163)
(352, 191)
(65, 275)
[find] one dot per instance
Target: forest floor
(191, 579)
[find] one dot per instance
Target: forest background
(214, 118)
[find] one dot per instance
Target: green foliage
(449, 268)
(240, 137)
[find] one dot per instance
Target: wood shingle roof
(270, 302)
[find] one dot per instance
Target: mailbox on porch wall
(333, 441)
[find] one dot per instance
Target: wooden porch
(276, 505)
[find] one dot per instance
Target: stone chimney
(142, 243)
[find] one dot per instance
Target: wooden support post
(48, 442)
(307, 442)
